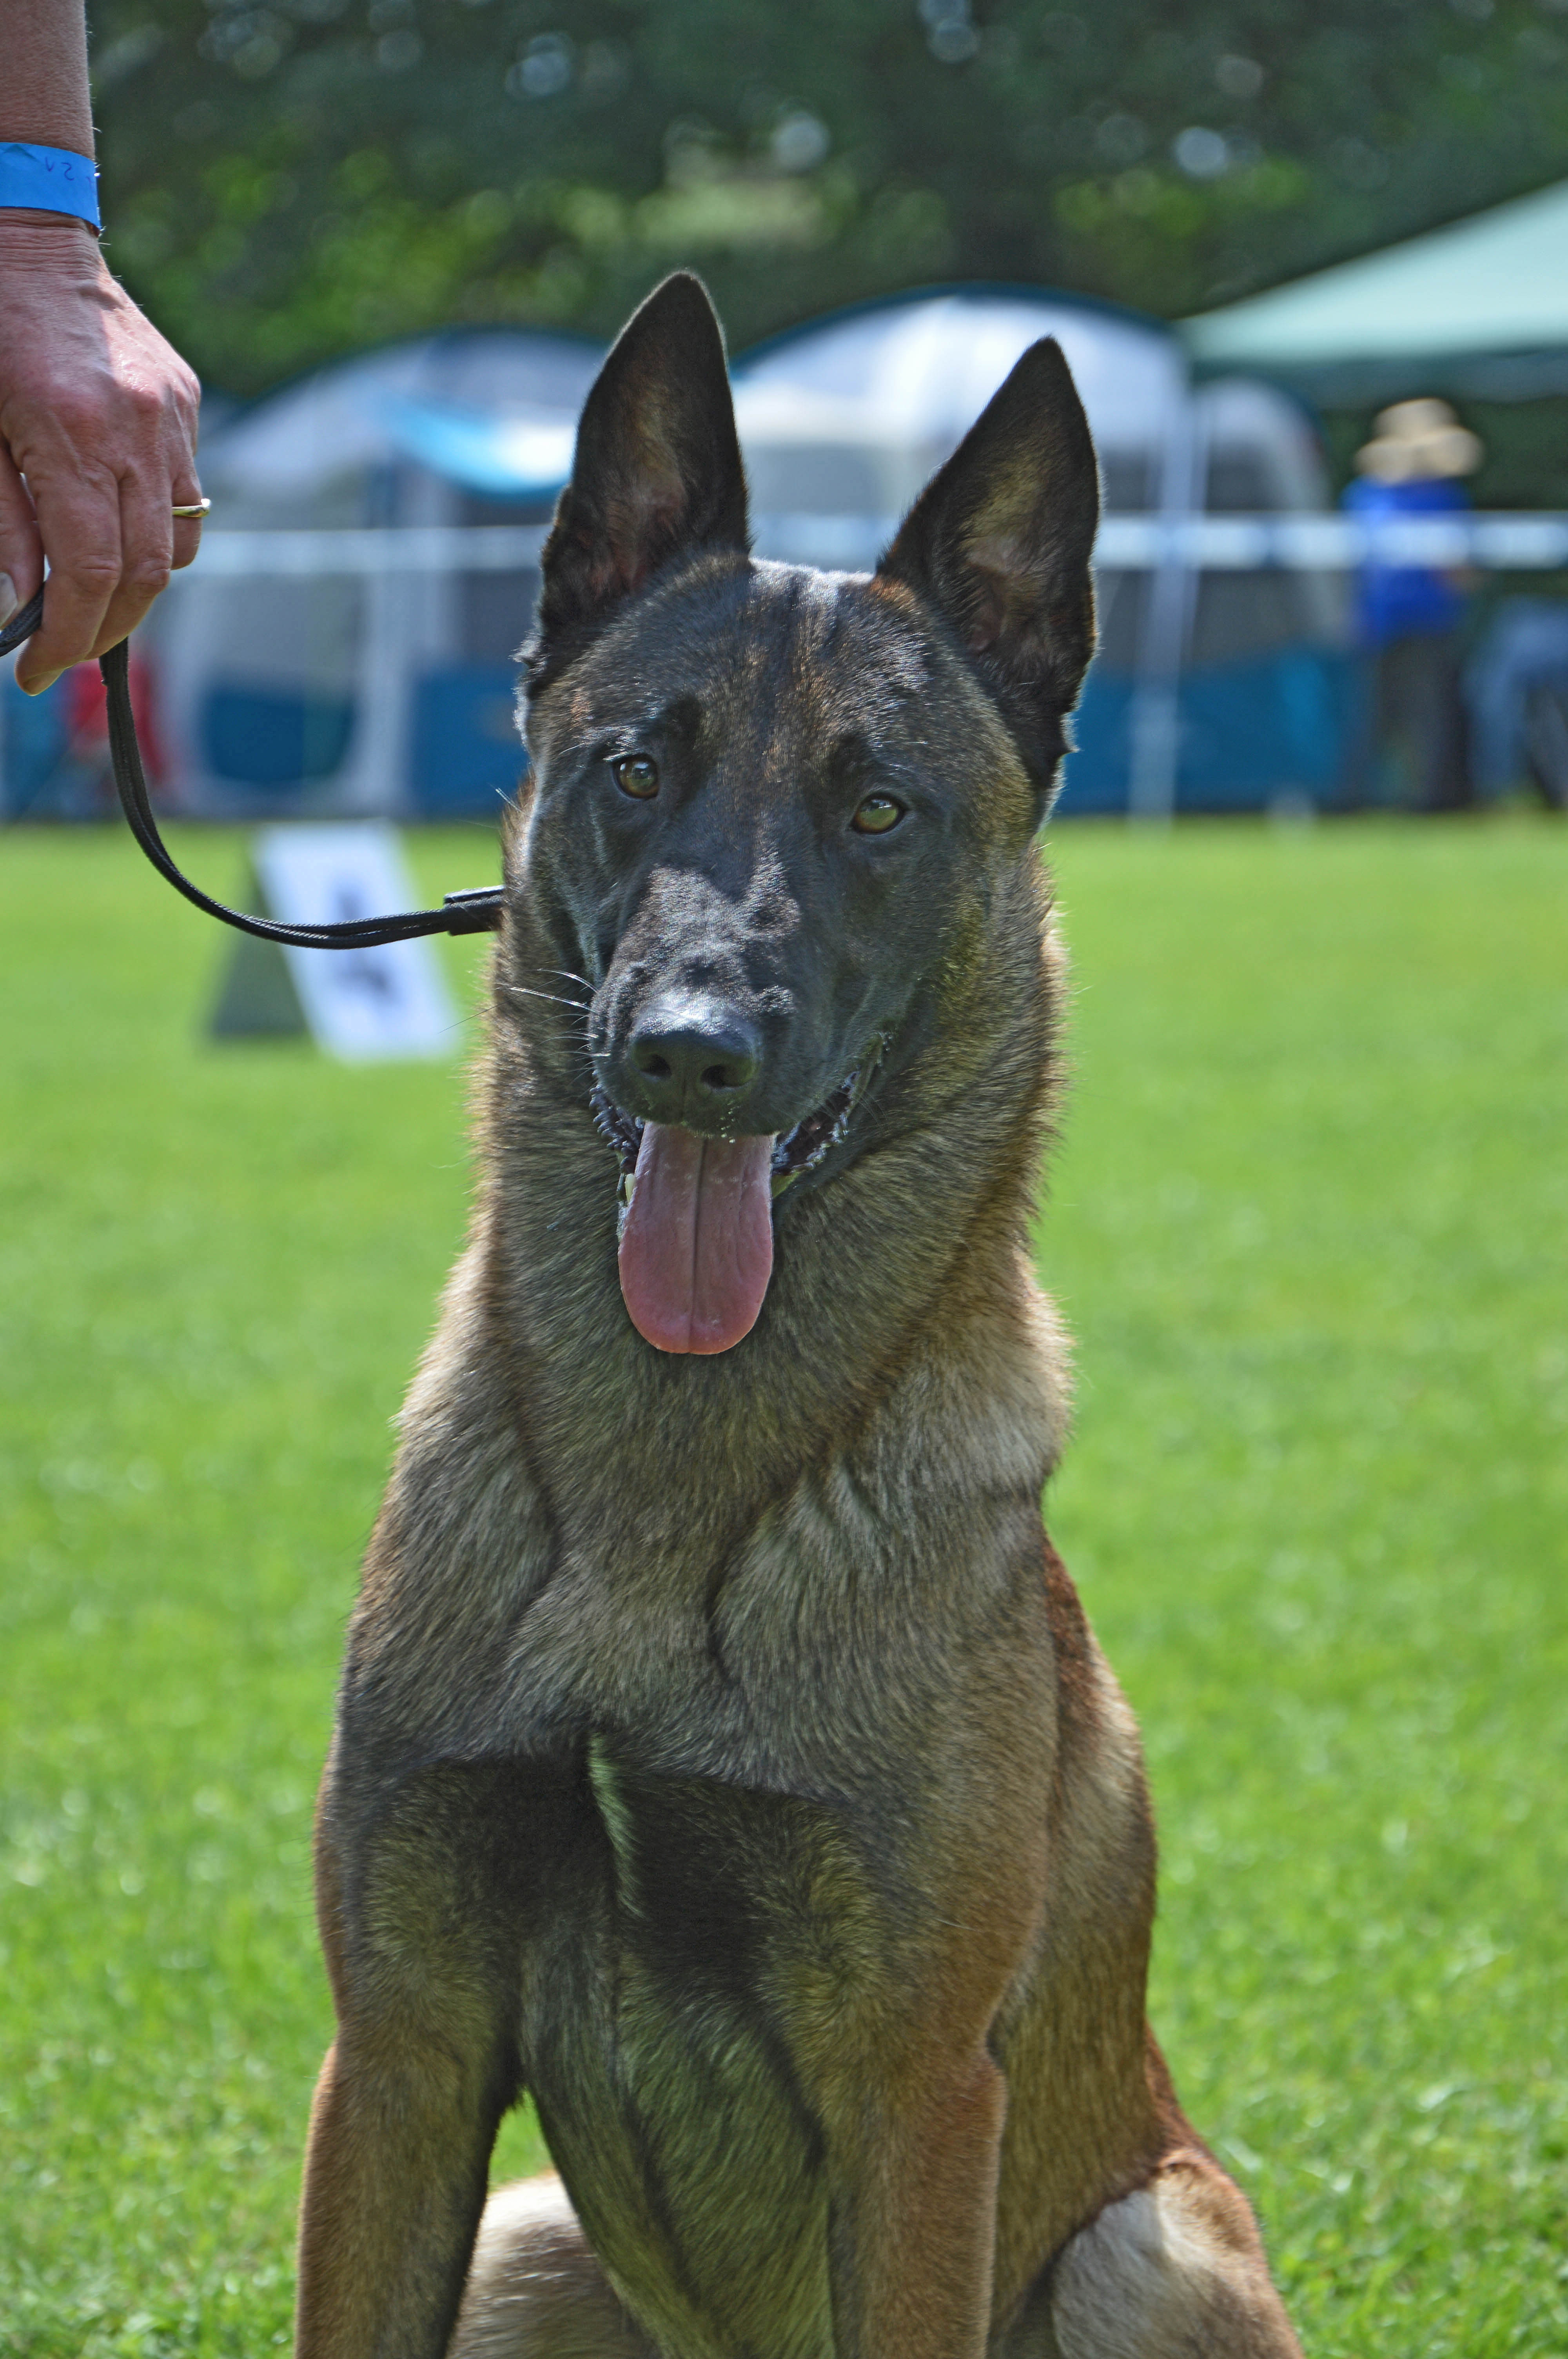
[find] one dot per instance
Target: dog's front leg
(395, 2184)
(914, 2182)
(908, 1924)
(414, 1925)
(888, 2022)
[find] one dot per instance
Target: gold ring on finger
(194, 508)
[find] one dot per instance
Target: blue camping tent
(1211, 690)
(375, 674)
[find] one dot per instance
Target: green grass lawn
(1308, 1223)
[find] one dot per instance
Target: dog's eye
(876, 815)
(636, 775)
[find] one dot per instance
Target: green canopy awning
(1485, 299)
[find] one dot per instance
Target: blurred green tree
(285, 179)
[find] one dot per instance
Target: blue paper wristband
(48, 179)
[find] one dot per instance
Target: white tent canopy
(843, 421)
(385, 682)
(489, 409)
(1494, 285)
(924, 366)
(848, 418)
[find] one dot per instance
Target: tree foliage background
(288, 179)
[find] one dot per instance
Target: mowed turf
(1308, 1222)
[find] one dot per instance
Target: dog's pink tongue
(697, 1251)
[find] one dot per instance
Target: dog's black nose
(694, 1058)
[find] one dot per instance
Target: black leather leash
(474, 912)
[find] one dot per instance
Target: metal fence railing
(1505, 541)
(1174, 548)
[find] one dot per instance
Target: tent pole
(1155, 751)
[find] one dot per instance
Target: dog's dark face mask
(765, 797)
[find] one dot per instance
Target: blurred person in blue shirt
(1409, 618)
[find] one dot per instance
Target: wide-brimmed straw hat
(1415, 440)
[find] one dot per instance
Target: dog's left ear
(656, 474)
(999, 542)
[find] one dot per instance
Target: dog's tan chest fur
(571, 1612)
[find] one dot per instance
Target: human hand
(99, 414)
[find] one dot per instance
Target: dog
(722, 1756)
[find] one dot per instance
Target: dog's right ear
(657, 472)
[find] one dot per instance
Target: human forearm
(44, 93)
(97, 414)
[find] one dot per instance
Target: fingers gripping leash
(474, 912)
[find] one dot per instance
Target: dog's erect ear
(999, 542)
(658, 471)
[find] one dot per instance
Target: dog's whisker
(564, 975)
(524, 991)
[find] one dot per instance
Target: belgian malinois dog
(722, 1755)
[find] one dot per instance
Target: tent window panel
(814, 479)
(1126, 482)
(1240, 483)
(495, 610)
(472, 508)
(495, 615)
(1121, 599)
(306, 631)
(1241, 615)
